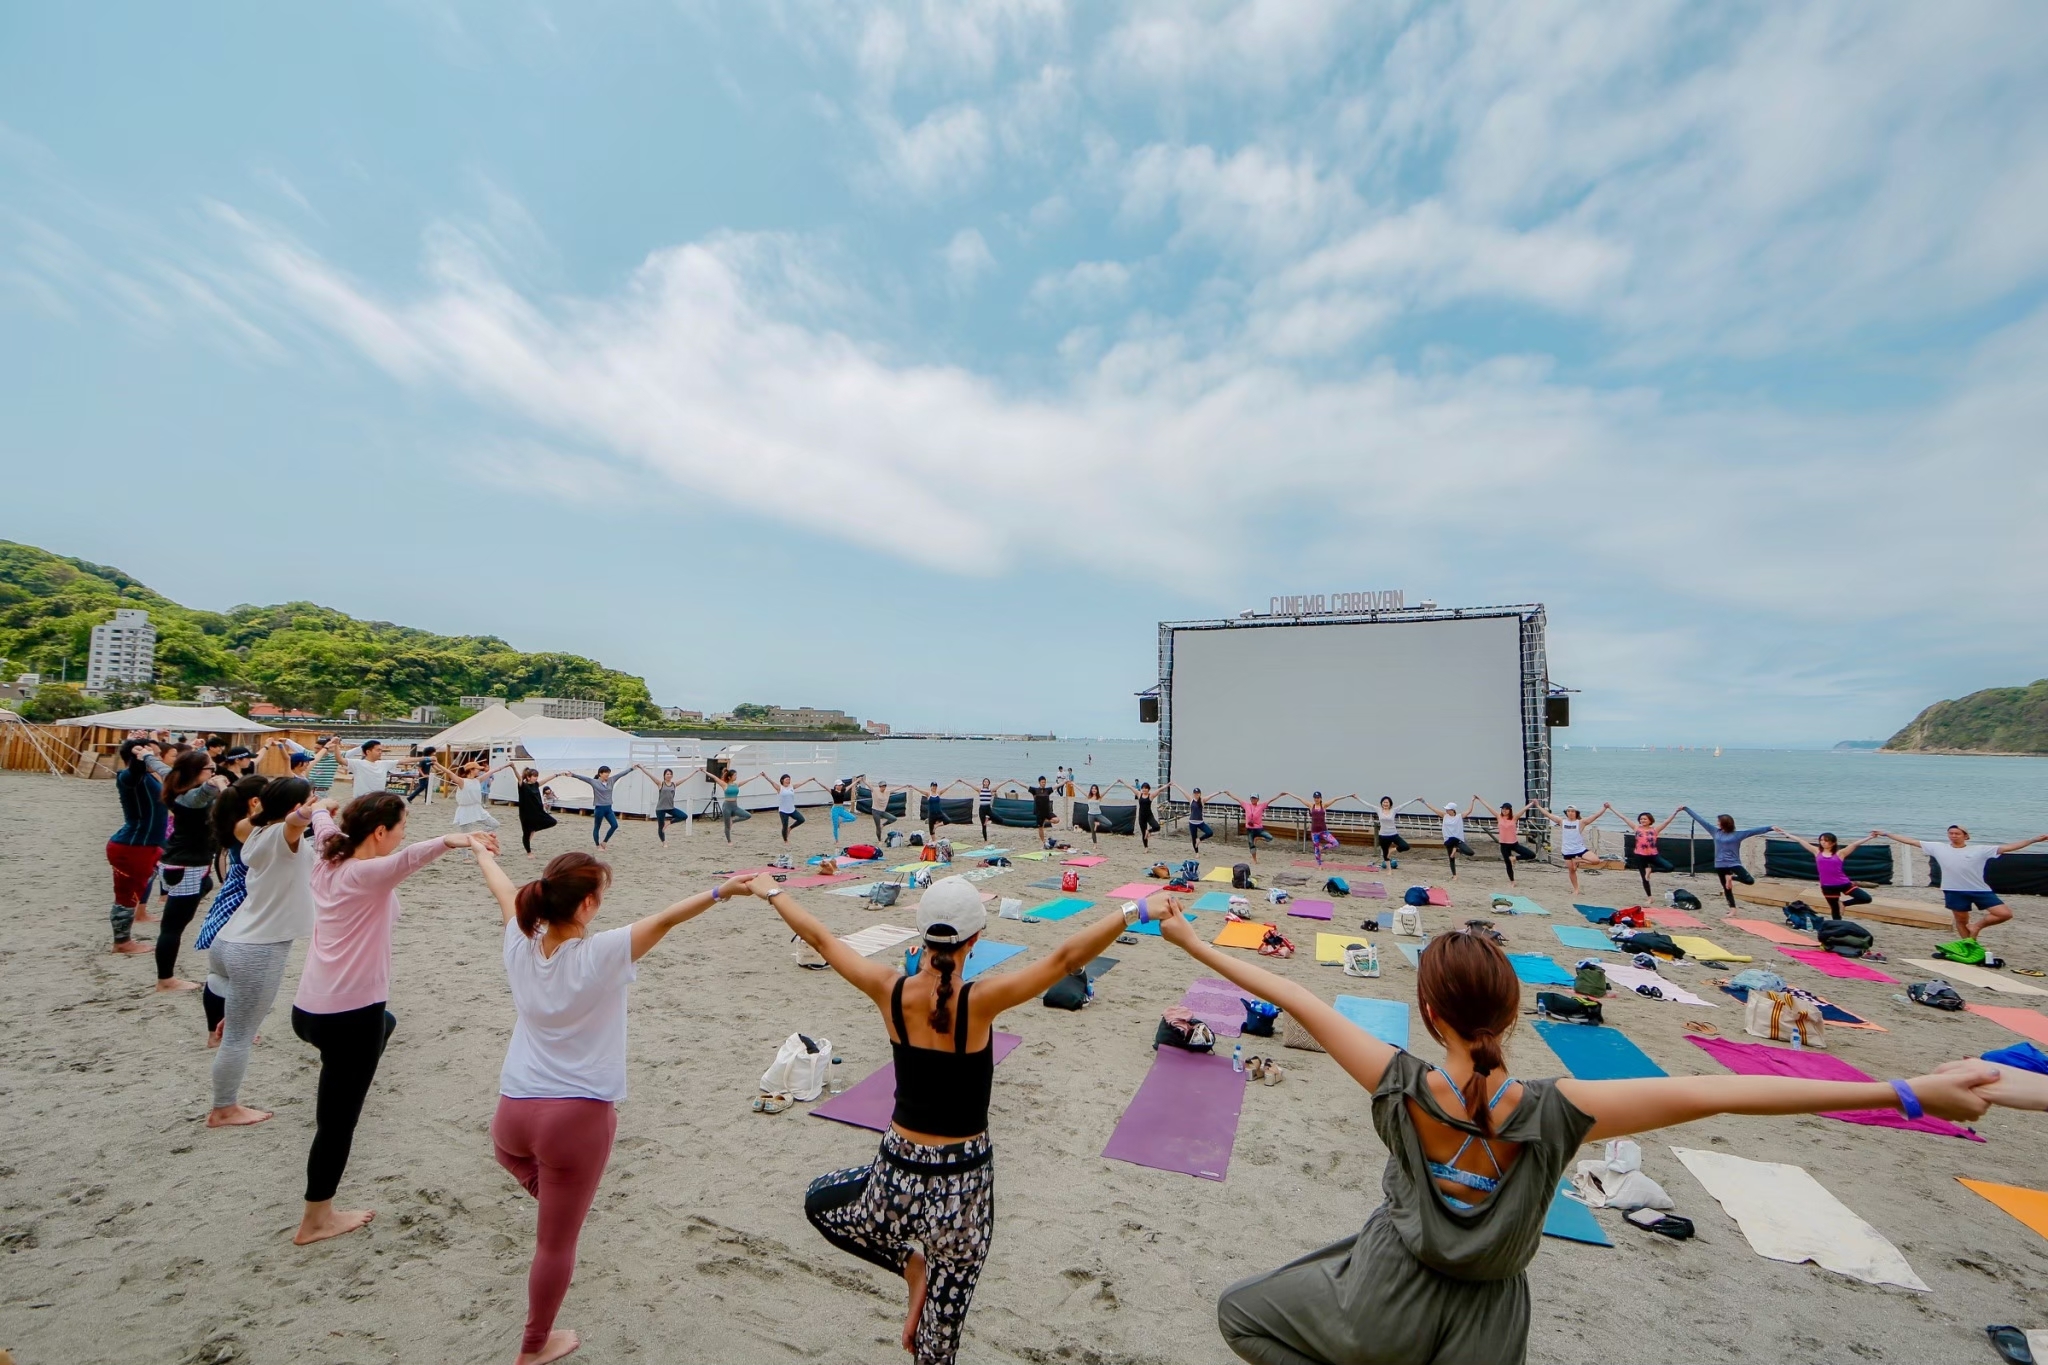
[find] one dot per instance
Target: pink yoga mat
(1439, 896)
(1311, 909)
(1774, 933)
(1372, 891)
(1137, 891)
(1758, 1059)
(1218, 1004)
(1340, 867)
(1832, 964)
(1184, 1116)
(869, 1103)
(1089, 860)
(2026, 1023)
(1676, 919)
(800, 882)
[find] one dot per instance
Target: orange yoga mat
(1241, 934)
(2029, 1206)
(1771, 933)
(2026, 1023)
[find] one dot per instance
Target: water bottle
(1237, 1058)
(1798, 1038)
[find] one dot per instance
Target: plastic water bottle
(1798, 1038)
(1237, 1058)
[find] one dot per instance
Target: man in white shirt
(368, 769)
(1963, 887)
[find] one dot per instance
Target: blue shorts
(1962, 902)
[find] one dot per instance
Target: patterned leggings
(940, 1198)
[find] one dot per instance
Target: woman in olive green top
(1438, 1273)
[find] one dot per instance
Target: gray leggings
(247, 976)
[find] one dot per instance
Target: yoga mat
(860, 890)
(1036, 855)
(981, 874)
(1834, 964)
(1438, 896)
(1136, 891)
(1213, 900)
(1216, 874)
(1673, 918)
(1775, 933)
(1578, 936)
(1787, 1215)
(1386, 1020)
(1628, 977)
(1218, 1004)
(1311, 909)
(2027, 1023)
(987, 955)
(1086, 860)
(1599, 914)
(1241, 934)
(1571, 1220)
(1151, 927)
(1706, 950)
(1760, 1059)
(1059, 909)
(840, 879)
(1953, 972)
(1184, 1116)
(869, 1102)
(1046, 884)
(1597, 1053)
(1830, 1011)
(1538, 970)
(1338, 867)
(989, 852)
(2029, 1206)
(876, 937)
(1372, 891)
(1330, 947)
(1516, 905)
(1099, 968)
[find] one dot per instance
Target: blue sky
(918, 358)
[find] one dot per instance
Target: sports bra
(1448, 1170)
(941, 1093)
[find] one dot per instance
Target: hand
(1173, 925)
(1956, 1091)
(484, 843)
(2014, 1088)
(736, 886)
(763, 886)
(331, 806)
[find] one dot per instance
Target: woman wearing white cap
(923, 1207)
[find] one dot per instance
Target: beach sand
(130, 1233)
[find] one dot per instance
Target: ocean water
(1846, 791)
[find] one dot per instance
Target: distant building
(679, 713)
(559, 708)
(877, 727)
(266, 710)
(211, 696)
(805, 718)
(426, 715)
(123, 653)
(479, 703)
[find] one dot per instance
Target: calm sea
(1848, 791)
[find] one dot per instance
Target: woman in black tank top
(922, 1208)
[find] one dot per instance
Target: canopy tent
(500, 723)
(163, 716)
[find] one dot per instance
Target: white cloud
(1254, 201)
(1201, 45)
(1086, 285)
(942, 154)
(966, 259)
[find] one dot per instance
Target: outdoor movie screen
(1392, 708)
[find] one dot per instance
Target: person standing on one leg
(785, 806)
(534, 815)
(1041, 810)
(878, 810)
(1643, 854)
(730, 809)
(1319, 836)
(984, 806)
(1148, 819)
(1255, 824)
(601, 812)
(1828, 855)
(1198, 820)
(934, 814)
(135, 849)
(1963, 888)
(842, 805)
(231, 814)
(1728, 842)
(1572, 837)
(1391, 841)
(1454, 832)
(1506, 832)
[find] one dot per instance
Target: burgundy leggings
(557, 1149)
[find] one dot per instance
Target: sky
(918, 357)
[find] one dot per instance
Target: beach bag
(1590, 980)
(1780, 1015)
(1293, 1035)
(1415, 895)
(1682, 899)
(917, 878)
(1361, 959)
(883, 893)
(1568, 1008)
(1659, 944)
(1935, 994)
(1259, 1017)
(894, 839)
(1276, 944)
(1965, 950)
(862, 852)
(945, 848)
(1179, 1028)
(1278, 896)
(915, 841)
(1241, 876)
(1070, 992)
(930, 854)
(1190, 871)
(1336, 886)
(1799, 915)
(1408, 922)
(1009, 907)
(1844, 936)
(800, 1067)
(1631, 915)
(1161, 871)
(1070, 880)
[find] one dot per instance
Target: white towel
(1972, 976)
(1787, 1215)
(876, 937)
(1628, 978)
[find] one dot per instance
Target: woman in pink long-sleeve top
(340, 1008)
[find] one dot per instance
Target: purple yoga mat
(1758, 1059)
(869, 1103)
(1374, 891)
(1184, 1117)
(1834, 964)
(1311, 909)
(1218, 1004)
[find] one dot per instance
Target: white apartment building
(123, 653)
(559, 708)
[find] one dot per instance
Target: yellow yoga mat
(2029, 1206)
(1241, 934)
(1330, 947)
(1216, 874)
(1706, 950)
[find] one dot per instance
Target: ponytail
(1466, 984)
(941, 958)
(1486, 1060)
(559, 892)
(361, 818)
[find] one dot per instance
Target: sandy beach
(131, 1233)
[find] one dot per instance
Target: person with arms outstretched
(1828, 853)
(1969, 898)
(1728, 842)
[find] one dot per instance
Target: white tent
(164, 716)
(499, 723)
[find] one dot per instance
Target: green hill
(297, 654)
(1998, 720)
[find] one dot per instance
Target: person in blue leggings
(601, 807)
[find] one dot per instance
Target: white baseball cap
(951, 911)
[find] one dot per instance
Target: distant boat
(1717, 751)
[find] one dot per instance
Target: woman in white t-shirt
(566, 1067)
(247, 955)
(1571, 830)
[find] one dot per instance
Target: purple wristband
(1909, 1103)
(1144, 912)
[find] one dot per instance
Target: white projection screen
(1429, 708)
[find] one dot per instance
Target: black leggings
(1452, 848)
(1393, 842)
(216, 1007)
(1731, 875)
(1642, 863)
(662, 820)
(790, 820)
(351, 1043)
(1510, 852)
(983, 813)
(178, 912)
(1834, 895)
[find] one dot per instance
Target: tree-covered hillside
(297, 654)
(1998, 720)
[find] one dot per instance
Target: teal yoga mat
(1059, 909)
(1151, 927)
(1538, 970)
(1411, 951)
(1516, 905)
(987, 955)
(1578, 936)
(1597, 1054)
(1572, 1220)
(1599, 914)
(1386, 1020)
(1214, 900)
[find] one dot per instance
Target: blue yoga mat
(1538, 970)
(1573, 1221)
(1151, 927)
(1059, 909)
(1411, 951)
(1516, 905)
(1213, 900)
(1599, 914)
(1386, 1020)
(1578, 936)
(1597, 1054)
(987, 955)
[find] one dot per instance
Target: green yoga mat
(1516, 905)
(1059, 909)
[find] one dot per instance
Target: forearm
(1266, 985)
(1083, 948)
(1638, 1106)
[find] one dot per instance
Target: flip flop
(2027, 971)
(2011, 1345)
(1702, 1028)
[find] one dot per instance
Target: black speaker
(1557, 712)
(1148, 710)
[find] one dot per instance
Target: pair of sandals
(1265, 1070)
(775, 1103)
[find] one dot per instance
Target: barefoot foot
(236, 1116)
(213, 1034)
(133, 946)
(324, 1220)
(914, 1275)
(176, 984)
(560, 1342)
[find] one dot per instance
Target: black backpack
(1682, 899)
(1650, 943)
(1241, 876)
(1070, 992)
(1939, 994)
(1843, 936)
(1570, 1008)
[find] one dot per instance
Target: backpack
(863, 852)
(945, 847)
(1415, 895)
(1278, 896)
(1568, 1008)
(1844, 936)
(1682, 899)
(916, 841)
(1800, 915)
(1259, 1018)
(1938, 994)
(1190, 871)
(1070, 880)
(1336, 886)
(1070, 992)
(1241, 876)
(1590, 980)
(1660, 944)
(1964, 950)
(1179, 1028)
